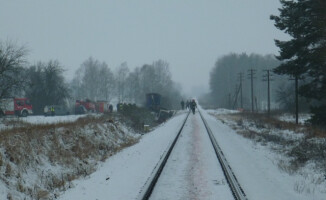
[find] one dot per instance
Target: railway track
(232, 181)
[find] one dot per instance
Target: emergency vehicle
(84, 106)
(16, 106)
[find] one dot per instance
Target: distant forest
(44, 82)
(225, 89)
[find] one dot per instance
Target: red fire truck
(84, 106)
(102, 106)
(16, 106)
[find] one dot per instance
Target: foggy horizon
(189, 35)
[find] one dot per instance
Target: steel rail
(235, 187)
(147, 190)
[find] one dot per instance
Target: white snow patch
(287, 117)
(220, 111)
(12, 122)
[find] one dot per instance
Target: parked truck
(102, 106)
(153, 101)
(15, 106)
(81, 107)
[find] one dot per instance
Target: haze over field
(102, 97)
(189, 35)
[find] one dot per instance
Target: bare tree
(106, 79)
(46, 85)
(156, 78)
(162, 76)
(93, 80)
(12, 60)
(76, 85)
(148, 79)
(90, 79)
(121, 77)
(56, 88)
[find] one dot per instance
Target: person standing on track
(182, 104)
(193, 106)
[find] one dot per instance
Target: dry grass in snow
(39, 161)
(301, 148)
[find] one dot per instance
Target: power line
(241, 79)
(267, 77)
(251, 74)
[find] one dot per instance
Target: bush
(319, 116)
(137, 117)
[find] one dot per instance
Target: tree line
(225, 82)
(232, 71)
(44, 82)
(304, 55)
(300, 67)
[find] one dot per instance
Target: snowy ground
(306, 182)
(38, 162)
(256, 166)
(11, 122)
(50, 119)
(287, 117)
(193, 170)
(123, 175)
(221, 111)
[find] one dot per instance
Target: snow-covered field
(11, 122)
(256, 168)
(287, 117)
(123, 175)
(50, 119)
(37, 162)
(255, 165)
(269, 159)
(259, 166)
(291, 117)
(222, 111)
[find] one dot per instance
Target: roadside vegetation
(301, 146)
(41, 161)
(136, 117)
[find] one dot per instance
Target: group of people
(125, 106)
(190, 104)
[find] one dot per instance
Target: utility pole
(230, 106)
(296, 100)
(267, 78)
(237, 89)
(296, 80)
(241, 79)
(251, 74)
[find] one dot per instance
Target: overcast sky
(189, 34)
